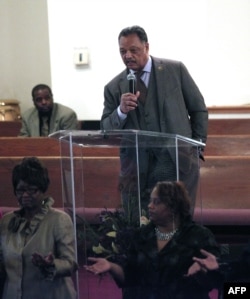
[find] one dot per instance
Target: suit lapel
(35, 125)
(53, 126)
(162, 79)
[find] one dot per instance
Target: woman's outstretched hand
(203, 264)
(99, 266)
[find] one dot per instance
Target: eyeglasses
(30, 191)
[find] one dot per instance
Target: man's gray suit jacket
(182, 109)
(62, 118)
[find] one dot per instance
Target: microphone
(131, 79)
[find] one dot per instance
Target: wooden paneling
(22, 146)
(228, 145)
(241, 109)
(221, 126)
(224, 182)
(92, 167)
(92, 188)
(10, 128)
(229, 126)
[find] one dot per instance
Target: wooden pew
(21, 147)
(228, 126)
(225, 174)
(242, 110)
(97, 191)
(8, 198)
(13, 149)
(224, 179)
(228, 145)
(223, 183)
(10, 128)
(98, 164)
(216, 126)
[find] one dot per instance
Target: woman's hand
(203, 264)
(42, 261)
(208, 263)
(193, 269)
(99, 266)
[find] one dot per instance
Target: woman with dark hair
(161, 252)
(36, 242)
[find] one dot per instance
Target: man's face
(134, 53)
(43, 100)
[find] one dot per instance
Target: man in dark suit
(172, 103)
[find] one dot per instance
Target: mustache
(129, 60)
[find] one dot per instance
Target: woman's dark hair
(32, 172)
(139, 31)
(175, 196)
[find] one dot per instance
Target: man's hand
(129, 101)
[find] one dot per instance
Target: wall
(24, 50)
(210, 36)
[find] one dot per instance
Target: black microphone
(131, 79)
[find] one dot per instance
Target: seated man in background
(46, 117)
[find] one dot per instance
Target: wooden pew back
(224, 179)
(97, 163)
(228, 126)
(10, 128)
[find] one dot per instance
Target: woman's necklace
(164, 236)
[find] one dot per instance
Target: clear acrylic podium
(118, 169)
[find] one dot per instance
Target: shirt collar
(148, 66)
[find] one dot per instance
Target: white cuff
(121, 115)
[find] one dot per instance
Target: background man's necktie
(140, 85)
(45, 126)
